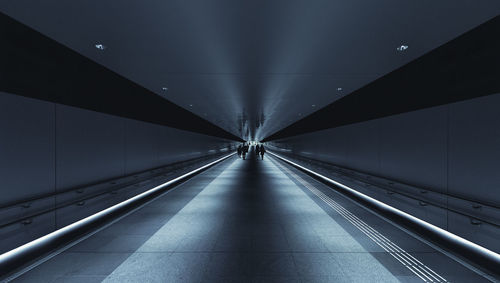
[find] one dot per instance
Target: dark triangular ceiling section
(36, 66)
(464, 68)
(252, 67)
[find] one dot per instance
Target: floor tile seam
(289, 238)
(65, 277)
(100, 252)
(123, 253)
(338, 266)
(284, 234)
(259, 252)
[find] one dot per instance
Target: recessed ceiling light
(339, 89)
(314, 105)
(191, 105)
(402, 48)
(100, 46)
(164, 88)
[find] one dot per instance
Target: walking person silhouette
(262, 151)
(244, 151)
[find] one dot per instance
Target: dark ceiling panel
(464, 68)
(36, 66)
(252, 67)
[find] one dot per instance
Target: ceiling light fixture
(191, 105)
(339, 89)
(314, 105)
(100, 46)
(402, 48)
(164, 88)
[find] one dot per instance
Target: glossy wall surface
(451, 150)
(48, 148)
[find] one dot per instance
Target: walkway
(250, 221)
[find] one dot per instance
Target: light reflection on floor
(242, 221)
(255, 217)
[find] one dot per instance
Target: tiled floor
(242, 221)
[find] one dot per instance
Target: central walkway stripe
(283, 241)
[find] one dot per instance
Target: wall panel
(90, 147)
(475, 149)
(412, 147)
(141, 148)
(27, 151)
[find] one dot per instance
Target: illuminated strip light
(407, 260)
(14, 259)
(485, 259)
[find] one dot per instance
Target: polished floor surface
(251, 221)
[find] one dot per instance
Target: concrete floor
(250, 221)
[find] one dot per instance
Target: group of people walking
(243, 150)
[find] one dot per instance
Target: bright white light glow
(100, 46)
(402, 48)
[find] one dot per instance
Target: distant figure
(239, 151)
(257, 150)
(262, 151)
(244, 151)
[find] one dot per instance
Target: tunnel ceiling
(252, 67)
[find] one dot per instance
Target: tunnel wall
(48, 148)
(451, 149)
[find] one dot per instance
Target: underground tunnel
(249, 141)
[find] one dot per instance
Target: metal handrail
(351, 173)
(340, 168)
(12, 261)
(484, 259)
(79, 197)
(111, 180)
